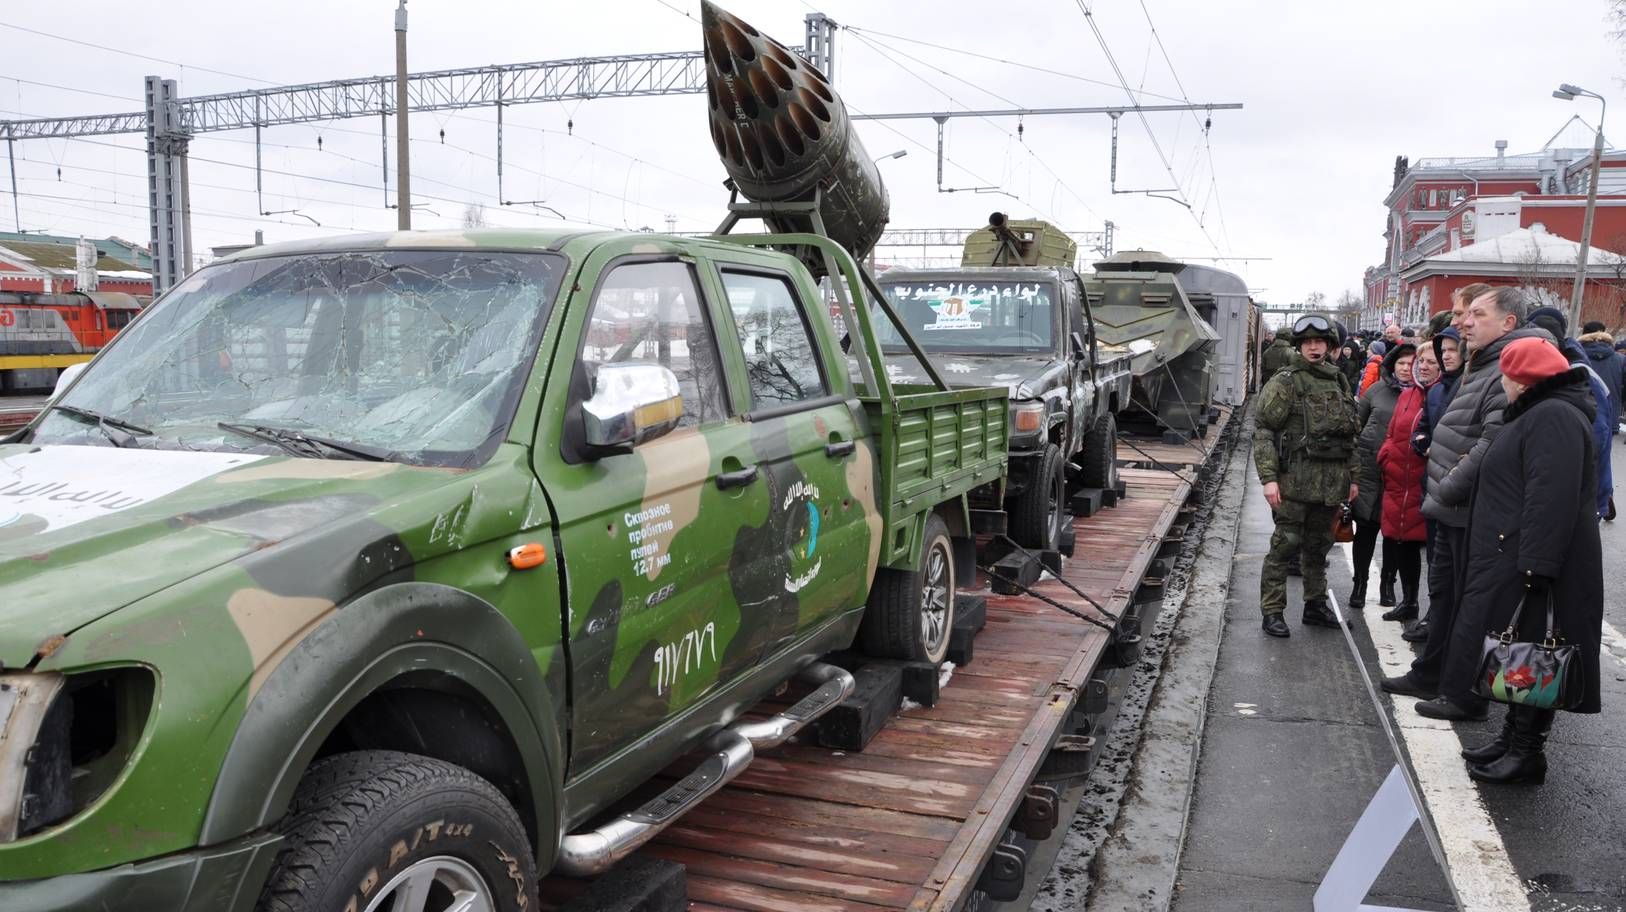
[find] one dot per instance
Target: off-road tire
(894, 625)
(359, 819)
(1099, 461)
(1037, 514)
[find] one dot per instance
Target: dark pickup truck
(1027, 329)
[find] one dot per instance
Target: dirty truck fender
(411, 629)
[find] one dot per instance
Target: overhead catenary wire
(1123, 82)
(1029, 149)
(1213, 176)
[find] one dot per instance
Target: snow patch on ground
(945, 672)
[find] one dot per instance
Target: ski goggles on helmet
(1312, 321)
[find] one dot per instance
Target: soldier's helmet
(1315, 326)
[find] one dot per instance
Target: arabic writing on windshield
(417, 353)
(971, 315)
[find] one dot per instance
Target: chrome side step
(595, 851)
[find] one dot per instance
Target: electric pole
(403, 191)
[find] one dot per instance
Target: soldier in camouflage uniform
(1276, 356)
(1304, 448)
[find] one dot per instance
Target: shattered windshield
(971, 315)
(406, 355)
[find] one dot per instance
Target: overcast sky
(1333, 92)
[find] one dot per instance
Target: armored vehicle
(366, 569)
(1143, 312)
(1015, 315)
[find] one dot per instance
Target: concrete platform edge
(1136, 867)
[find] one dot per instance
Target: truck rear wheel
(379, 830)
(911, 612)
(1036, 514)
(1099, 461)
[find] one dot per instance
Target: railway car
(42, 333)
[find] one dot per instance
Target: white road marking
(1480, 866)
(1614, 644)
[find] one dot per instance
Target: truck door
(807, 560)
(648, 536)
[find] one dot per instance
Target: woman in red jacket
(1403, 472)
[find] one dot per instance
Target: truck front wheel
(370, 831)
(911, 612)
(1037, 513)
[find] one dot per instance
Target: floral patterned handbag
(1542, 675)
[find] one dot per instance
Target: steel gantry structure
(170, 121)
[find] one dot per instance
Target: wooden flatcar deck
(911, 821)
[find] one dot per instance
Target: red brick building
(1440, 207)
(50, 266)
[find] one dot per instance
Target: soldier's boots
(1317, 614)
(1273, 625)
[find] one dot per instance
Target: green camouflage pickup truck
(377, 573)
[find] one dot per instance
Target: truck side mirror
(632, 402)
(1078, 345)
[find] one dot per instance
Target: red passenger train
(42, 333)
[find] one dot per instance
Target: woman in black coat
(1533, 532)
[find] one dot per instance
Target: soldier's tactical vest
(1328, 410)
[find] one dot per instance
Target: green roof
(62, 256)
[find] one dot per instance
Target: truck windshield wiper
(106, 424)
(300, 443)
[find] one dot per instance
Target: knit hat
(1550, 318)
(1378, 348)
(1594, 326)
(1529, 361)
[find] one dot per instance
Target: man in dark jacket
(1465, 431)
(1607, 363)
(1605, 399)
(1448, 353)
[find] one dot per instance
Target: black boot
(1416, 633)
(1408, 607)
(1525, 762)
(1357, 595)
(1492, 750)
(1317, 614)
(1273, 625)
(1386, 588)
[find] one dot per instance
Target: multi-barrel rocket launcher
(791, 152)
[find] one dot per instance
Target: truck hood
(87, 530)
(1036, 372)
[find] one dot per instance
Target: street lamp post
(1568, 92)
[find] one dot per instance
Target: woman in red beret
(1533, 537)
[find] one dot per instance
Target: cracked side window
(420, 354)
(652, 312)
(781, 362)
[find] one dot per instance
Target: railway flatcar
(42, 333)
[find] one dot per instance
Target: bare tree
(1543, 280)
(474, 216)
(1349, 306)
